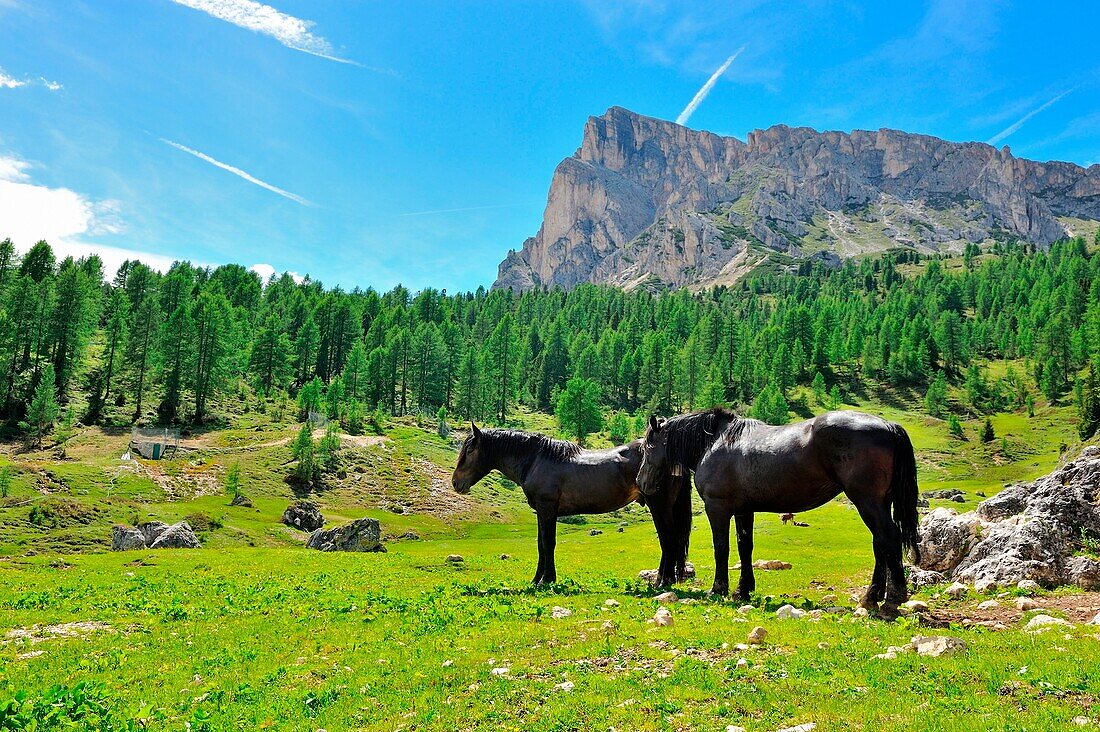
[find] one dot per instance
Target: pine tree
(618, 428)
(43, 410)
(987, 431)
(955, 427)
(304, 451)
(770, 406)
(578, 409)
(935, 399)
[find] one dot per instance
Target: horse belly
(769, 482)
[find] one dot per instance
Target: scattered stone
(947, 494)
(742, 663)
(915, 606)
(745, 608)
(650, 575)
(361, 535)
(1081, 721)
(1095, 620)
(919, 578)
(1026, 604)
(505, 556)
(734, 728)
(1028, 585)
(304, 515)
(594, 532)
(565, 686)
(988, 605)
(861, 612)
(126, 538)
(411, 536)
(937, 645)
(888, 656)
(241, 500)
(789, 611)
(177, 536)
(828, 599)
(560, 612)
(956, 590)
(757, 635)
(804, 727)
(1039, 623)
(455, 558)
(770, 564)
(662, 617)
(448, 663)
(666, 597)
(620, 529)
(983, 586)
(500, 671)
(610, 603)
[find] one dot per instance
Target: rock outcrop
(361, 535)
(648, 202)
(304, 515)
(154, 535)
(1030, 531)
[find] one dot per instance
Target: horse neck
(698, 444)
(513, 457)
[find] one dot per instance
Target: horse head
(655, 464)
(472, 464)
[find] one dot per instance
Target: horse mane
(497, 443)
(691, 435)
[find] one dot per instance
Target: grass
(254, 632)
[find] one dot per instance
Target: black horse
(743, 466)
(561, 479)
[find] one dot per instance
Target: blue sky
(372, 143)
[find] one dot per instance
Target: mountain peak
(645, 201)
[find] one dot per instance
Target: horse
(744, 466)
(561, 479)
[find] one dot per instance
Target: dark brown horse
(743, 466)
(561, 479)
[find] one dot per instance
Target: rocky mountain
(645, 202)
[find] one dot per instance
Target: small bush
(201, 521)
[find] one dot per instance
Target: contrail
(1020, 122)
(702, 93)
(238, 172)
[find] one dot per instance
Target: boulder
(650, 575)
(1028, 532)
(789, 612)
(947, 494)
(663, 617)
(925, 577)
(937, 645)
(126, 538)
(361, 535)
(152, 530)
(241, 500)
(1039, 623)
(757, 635)
(304, 515)
(177, 536)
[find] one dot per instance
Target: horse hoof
(888, 611)
(718, 591)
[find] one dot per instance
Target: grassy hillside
(255, 632)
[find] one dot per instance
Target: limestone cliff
(649, 202)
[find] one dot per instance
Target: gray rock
(126, 538)
(919, 578)
(241, 500)
(1027, 532)
(304, 515)
(177, 536)
(361, 535)
(152, 530)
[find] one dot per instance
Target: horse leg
(720, 531)
(682, 522)
(876, 515)
(542, 552)
(897, 591)
(747, 584)
(548, 530)
(666, 569)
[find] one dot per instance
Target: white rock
(742, 663)
(610, 603)
(983, 586)
(1028, 585)
(915, 606)
(1081, 721)
(805, 727)
(888, 656)
(1040, 623)
(988, 605)
(1025, 604)
(937, 645)
(734, 728)
(789, 611)
(560, 612)
(956, 590)
(666, 597)
(860, 612)
(662, 617)
(448, 663)
(565, 686)
(1096, 620)
(745, 608)
(500, 671)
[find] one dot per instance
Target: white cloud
(265, 271)
(7, 81)
(238, 172)
(1020, 122)
(705, 90)
(30, 212)
(292, 32)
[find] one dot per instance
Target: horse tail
(903, 490)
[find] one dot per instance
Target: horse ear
(654, 424)
(474, 430)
